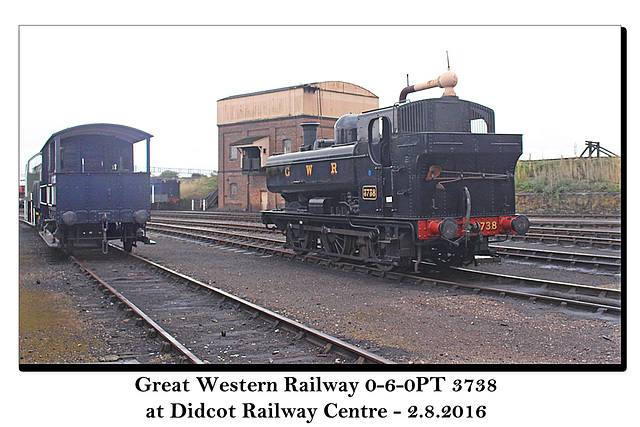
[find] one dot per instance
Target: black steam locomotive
(85, 186)
(425, 181)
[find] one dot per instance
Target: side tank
(316, 172)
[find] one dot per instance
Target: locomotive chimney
(309, 135)
(447, 81)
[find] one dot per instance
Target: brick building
(253, 126)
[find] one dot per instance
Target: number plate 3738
(369, 192)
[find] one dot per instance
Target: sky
(558, 86)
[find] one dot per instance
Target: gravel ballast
(404, 322)
(65, 318)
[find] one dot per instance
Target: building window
(250, 159)
(286, 146)
(233, 191)
(233, 153)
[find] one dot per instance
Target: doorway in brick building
(264, 202)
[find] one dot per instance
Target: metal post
(149, 155)
(57, 152)
(249, 191)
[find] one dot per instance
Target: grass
(572, 175)
(198, 188)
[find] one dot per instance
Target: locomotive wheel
(299, 240)
(378, 252)
(384, 267)
(337, 245)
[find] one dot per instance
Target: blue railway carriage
(90, 189)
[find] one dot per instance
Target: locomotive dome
(346, 129)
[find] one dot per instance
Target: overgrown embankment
(572, 185)
(198, 188)
(192, 191)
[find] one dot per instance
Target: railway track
(602, 221)
(578, 232)
(595, 231)
(594, 262)
(611, 217)
(576, 223)
(207, 325)
(610, 263)
(562, 294)
(572, 237)
(198, 221)
(209, 215)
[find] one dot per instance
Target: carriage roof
(124, 133)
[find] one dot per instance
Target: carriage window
(34, 168)
(117, 157)
(70, 160)
(140, 156)
(478, 126)
(93, 161)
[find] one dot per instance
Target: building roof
(247, 141)
(330, 99)
(312, 87)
